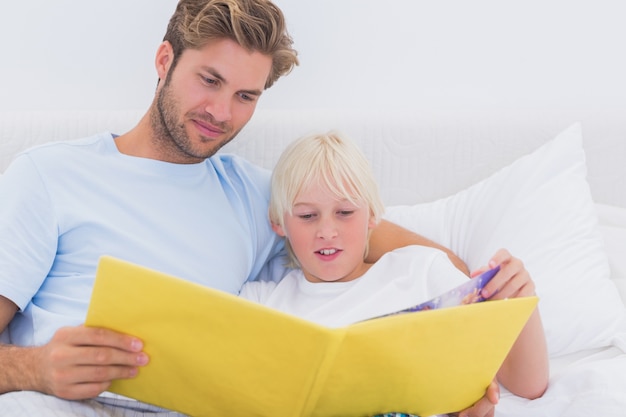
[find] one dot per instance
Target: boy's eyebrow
(313, 203)
(216, 74)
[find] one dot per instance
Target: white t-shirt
(400, 279)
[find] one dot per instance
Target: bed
(551, 187)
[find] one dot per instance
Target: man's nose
(220, 107)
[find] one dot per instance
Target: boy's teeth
(327, 251)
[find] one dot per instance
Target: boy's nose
(327, 230)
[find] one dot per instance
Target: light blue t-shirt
(63, 205)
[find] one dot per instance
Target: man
(156, 196)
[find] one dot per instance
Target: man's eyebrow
(252, 92)
(216, 74)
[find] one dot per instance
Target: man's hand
(80, 362)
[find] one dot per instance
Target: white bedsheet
(586, 383)
(582, 384)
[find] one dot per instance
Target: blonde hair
(256, 25)
(330, 160)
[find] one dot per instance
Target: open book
(466, 293)
(215, 354)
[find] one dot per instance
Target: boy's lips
(328, 254)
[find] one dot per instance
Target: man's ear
(164, 58)
(278, 229)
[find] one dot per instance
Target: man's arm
(14, 374)
(79, 362)
(388, 236)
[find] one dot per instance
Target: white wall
(466, 53)
(77, 54)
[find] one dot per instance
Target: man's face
(206, 99)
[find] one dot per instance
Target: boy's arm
(388, 236)
(526, 369)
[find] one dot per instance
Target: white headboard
(416, 156)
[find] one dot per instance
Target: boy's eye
(305, 216)
(345, 212)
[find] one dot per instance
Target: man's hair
(330, 160)
(256, 25)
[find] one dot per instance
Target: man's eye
(247, 97)
(209, 80)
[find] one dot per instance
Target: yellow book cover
(215, 354)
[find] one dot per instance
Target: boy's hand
(513, 280)
(486, 406)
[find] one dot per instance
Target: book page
(466, 293)
(434, 362)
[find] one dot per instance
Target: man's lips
(207, 128)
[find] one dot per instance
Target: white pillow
(540, 209)
(613, 228)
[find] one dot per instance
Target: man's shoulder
(68, 145)
(232, 162)
(57, 155)
(237, 169)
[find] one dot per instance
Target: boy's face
(327, 235)
(206, 98)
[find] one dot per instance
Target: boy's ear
(278, 229)
(372, 223)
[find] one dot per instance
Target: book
(215, 354)
(466, 293)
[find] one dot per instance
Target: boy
(325, 209)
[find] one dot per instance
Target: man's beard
(170, 136)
